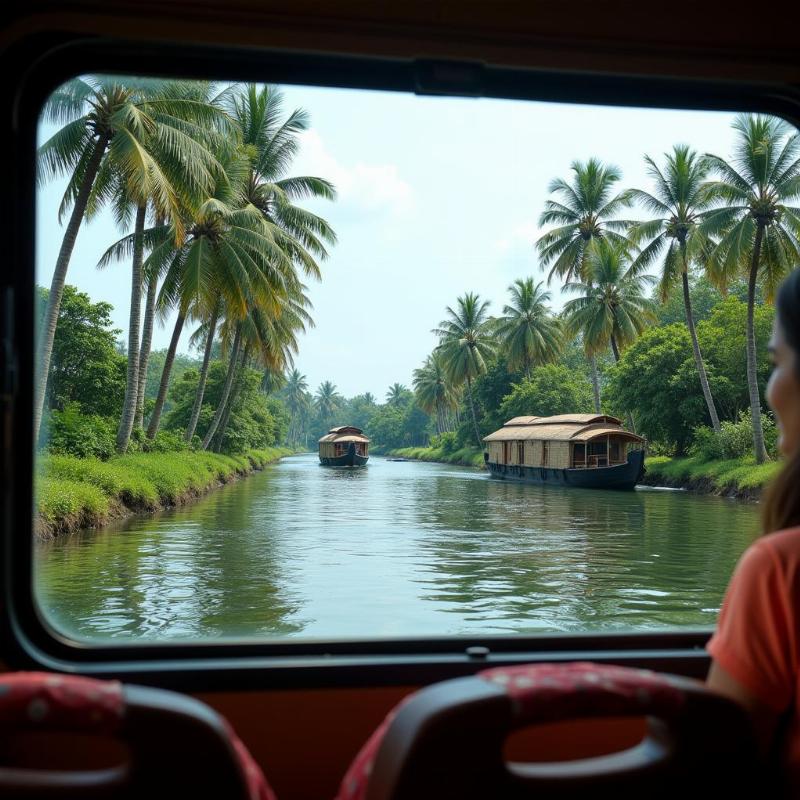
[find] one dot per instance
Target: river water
(396, 549)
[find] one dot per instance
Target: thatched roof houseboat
(345, 446)
(588, 450)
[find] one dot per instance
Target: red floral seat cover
(45, 701)
(547, 693)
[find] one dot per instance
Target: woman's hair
(782, 506)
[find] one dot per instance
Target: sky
(436, 197)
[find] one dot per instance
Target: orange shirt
(758, 634)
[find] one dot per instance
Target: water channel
(396, 549)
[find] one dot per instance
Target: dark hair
(782, 506)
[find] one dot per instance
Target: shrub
(165, 442)
(735, 439)
(447, 442)
(82, 435)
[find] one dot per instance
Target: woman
(756, 649)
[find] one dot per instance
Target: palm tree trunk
(132, 381)
(236, 388)
(752, 374)
(201, 385)
(48, 332)
(698, 357)
(595, 384)
(144, 353)
(155, 418)
(472, 410)
(212, 429)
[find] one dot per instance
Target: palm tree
(110, 129)
(612, 307)
(327, 400)
(465, 344)
(273, 143)
(758, 228)
(528, 331)
(585, 210)
(270, 340)
(674, 235)
(434, 393)
(296, 394)
(396, 394)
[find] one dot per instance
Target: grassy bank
(740, 477)
(77, 493)
(466, 456)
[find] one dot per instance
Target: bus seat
(170, 745)
(446, 741)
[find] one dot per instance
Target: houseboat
(592, 451)
(344, 447)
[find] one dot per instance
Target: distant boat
(344, 447)
(592, 451)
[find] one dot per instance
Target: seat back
(447, 740)
(174, 746)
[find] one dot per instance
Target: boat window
(227, 271)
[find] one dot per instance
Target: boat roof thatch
(344, 433)
(562, 428)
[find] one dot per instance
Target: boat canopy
(344, 433)
(562, 428)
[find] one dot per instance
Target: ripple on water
(396, 549)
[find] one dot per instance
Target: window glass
(230, 274)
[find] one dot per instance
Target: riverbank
(465, 457)
(75, 493)
(735, 477)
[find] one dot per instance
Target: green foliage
(464, 456)
(71, 432)
(722, 340)
(735, 439)
(551, 389)
(85, 367)
(445, 442)
(736, 474)
(656, 381)
(80, 492)
(65, 503)
(251, 423)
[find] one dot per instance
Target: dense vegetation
(84, 492)
(668, 288)
(200, 184)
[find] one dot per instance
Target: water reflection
(397, 549)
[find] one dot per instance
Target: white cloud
(366, 186)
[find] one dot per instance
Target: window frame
(38, 65)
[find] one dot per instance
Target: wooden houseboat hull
(620, 476)
(349, 459)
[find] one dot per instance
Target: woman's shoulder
(785, 544)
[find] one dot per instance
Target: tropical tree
(674, 236)
(434, 393)
(585, 210)
(757, 225)
(611, 307)
(297, 401)
(397, 394)
(272, 142)
(465, 344)
(529, 332)
(327, 401)
(111, 130)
